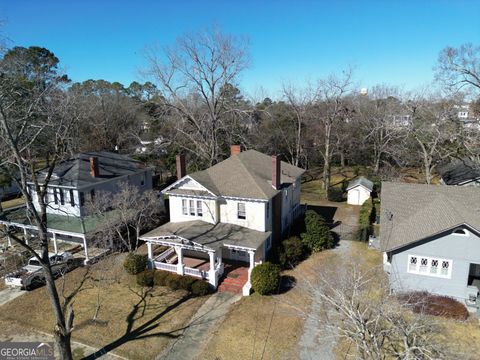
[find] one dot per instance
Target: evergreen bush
(265, 278)
(317, 235)
(135, 263)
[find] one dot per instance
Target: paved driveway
(9, 294)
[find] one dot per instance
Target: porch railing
(195, 272)
(163, 266)
(164, 255)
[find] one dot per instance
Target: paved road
(196, 335)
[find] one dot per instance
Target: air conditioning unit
(472, 296)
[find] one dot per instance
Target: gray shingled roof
(75, 172)
(247, 175)
(412, 212)
(460, 171)
(212, 236)
(362, 181)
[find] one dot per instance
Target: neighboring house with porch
(78, 179)
(463, 172)
(73, 182)
(234, 211)
(430, 239)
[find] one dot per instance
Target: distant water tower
(363, 91)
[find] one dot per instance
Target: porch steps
(234, 281)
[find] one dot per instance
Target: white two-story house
(235, 210)
(73, 182)
(78, 179)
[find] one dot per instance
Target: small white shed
(359, 190)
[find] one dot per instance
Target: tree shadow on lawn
(142, 331)
(287, 282)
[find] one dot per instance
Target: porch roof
(210, 236)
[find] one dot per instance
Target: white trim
(466, 233)
(163, 240)
(358, 185)
(244, 199)
(186, 177)
(237, 247)
(426, 269)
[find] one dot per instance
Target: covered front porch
(198, 249)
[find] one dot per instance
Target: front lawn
(268, 327)
(133, 322)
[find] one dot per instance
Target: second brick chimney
(276, 171)
(235, 149)
(181, 168)
(94, 170)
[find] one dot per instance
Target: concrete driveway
(10, 293)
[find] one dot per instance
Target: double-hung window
(241, 213)
(62, 197)
(184, 207)
(199, 208)
(55, 197)
(72, 198)
(192, 207)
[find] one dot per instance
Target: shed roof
(245, 175)
(212, 236)
(360, 181)
(413, 212)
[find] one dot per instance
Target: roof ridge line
(254, 181)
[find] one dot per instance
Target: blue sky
(393, 42)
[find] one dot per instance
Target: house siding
(462, 250)
(111, 186)
(209, 209)
(255, 213)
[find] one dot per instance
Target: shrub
(317, 235)
(174, 281)
(135, 263)
(160, 278)
(422, 302)
(365, 228)
(186, 283)
(335, 194)
(293, 251)
(145, 278)
(200, 288)
(265, 278)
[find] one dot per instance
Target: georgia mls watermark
(26, 351)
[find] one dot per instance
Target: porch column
(212, 276)
(85, 248)
(248, 285)
(9, 239)
(55, 242)
(180, 266)
(150, 255)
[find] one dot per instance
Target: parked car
(31, 275)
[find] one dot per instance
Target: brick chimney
(181, 169)
(94, 170)
(235, 149)
(276, 172)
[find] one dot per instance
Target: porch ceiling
(211, 236)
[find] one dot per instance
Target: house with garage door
(232, 212)
(430, 239)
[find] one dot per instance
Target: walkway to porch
(234, 278)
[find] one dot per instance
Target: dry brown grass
(267, 327)
(133, 322)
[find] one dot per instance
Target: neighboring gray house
(430, 238)
(76, 180)
(460, 173)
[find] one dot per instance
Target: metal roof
(360, 181)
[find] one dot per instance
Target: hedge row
(173, 281)
(365, 220)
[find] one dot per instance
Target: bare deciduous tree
(460, 67)
(191, 76)
(35, 125)
(124, 214)
(331, 109)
